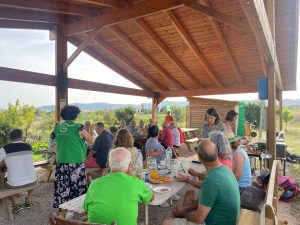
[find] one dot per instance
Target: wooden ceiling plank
(256, 14)
(107, 3)
(93, 86)
(147, 30)
(35, 16)
(210, 91)
(236, 22)
(81, 47)
(128, 13)
(110, 65)
(193, 47)
(101, 42)
(222, 40)
(120, 34)
(13, 24)
(49, 6)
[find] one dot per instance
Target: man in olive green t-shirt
(219, 198)
(115, 197)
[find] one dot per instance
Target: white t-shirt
(19, 162)
(176, 136)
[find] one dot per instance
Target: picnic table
(75, 205)
(190, 136)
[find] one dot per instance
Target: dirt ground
(42, 204)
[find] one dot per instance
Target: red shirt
(226, 162)
(169, 119)
(181, 135)
(167, 137)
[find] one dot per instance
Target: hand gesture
(181, 177)
(192, 172)
(178, 212)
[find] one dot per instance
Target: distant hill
(109, 106)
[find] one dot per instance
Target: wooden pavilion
(167, 48)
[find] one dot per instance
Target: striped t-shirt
(19, 162)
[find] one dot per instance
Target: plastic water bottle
(169, 154)
(139, 165)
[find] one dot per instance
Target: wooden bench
(191, 141)
(41, 163)
(267, 216)
(5, 203)
(57, 220)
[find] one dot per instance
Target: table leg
(146, 215)
(50, 169)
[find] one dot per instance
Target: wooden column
(280, 110)
(271, 139)
(154, 109)
(61, 56)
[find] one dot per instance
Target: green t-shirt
(70, 146)
(220, 192)
(115, 197)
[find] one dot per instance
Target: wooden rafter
(114, 17)
(13, 24)
(107, 3)
(222, 40)
(98, 40)
(210, 91)
(49, 6)
(110, 65)
(193, 47)
(81, 47)
(34, 16)
(29, 77)
(256, 14)
(120, 34)
(237, 22)
(145, 27)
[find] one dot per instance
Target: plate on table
(161, 189)
(150, 186)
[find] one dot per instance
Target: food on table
(160, 180)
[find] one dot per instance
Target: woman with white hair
(115, 197)
(223, 146)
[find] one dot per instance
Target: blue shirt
(152, 143)
(245, 179)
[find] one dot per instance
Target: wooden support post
(271, 139)
(61, 56)
(155, 103)
(280, 110)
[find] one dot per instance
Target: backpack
(290, 186)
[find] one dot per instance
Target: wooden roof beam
(98, 40)
(26, 15)
(93, 86)
(108, 3)
(256, 14)
(110, 65)
(13, 24)
(22, 76)
(193, 47)
(210, 91)
(128, 13)
(145, 27)
(222, 40)
(49, 6)
(81, 47)
(120, 34)
(236, 22)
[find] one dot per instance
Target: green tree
(178, 113)
(125, 113)
(19, 116)
(252, 113)
(287, 116)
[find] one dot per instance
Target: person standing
(168, 117)
(18, 157)
(70, 178)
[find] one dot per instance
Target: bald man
(219, 198)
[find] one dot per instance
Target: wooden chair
(57, 220)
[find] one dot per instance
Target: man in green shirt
(115, 197)
(219, 198)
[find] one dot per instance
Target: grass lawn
(38, 157)
(293, 132)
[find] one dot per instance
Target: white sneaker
(175, 197)
(165, 205)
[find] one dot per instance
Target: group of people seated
(115, 196)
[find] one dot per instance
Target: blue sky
(31, 50)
